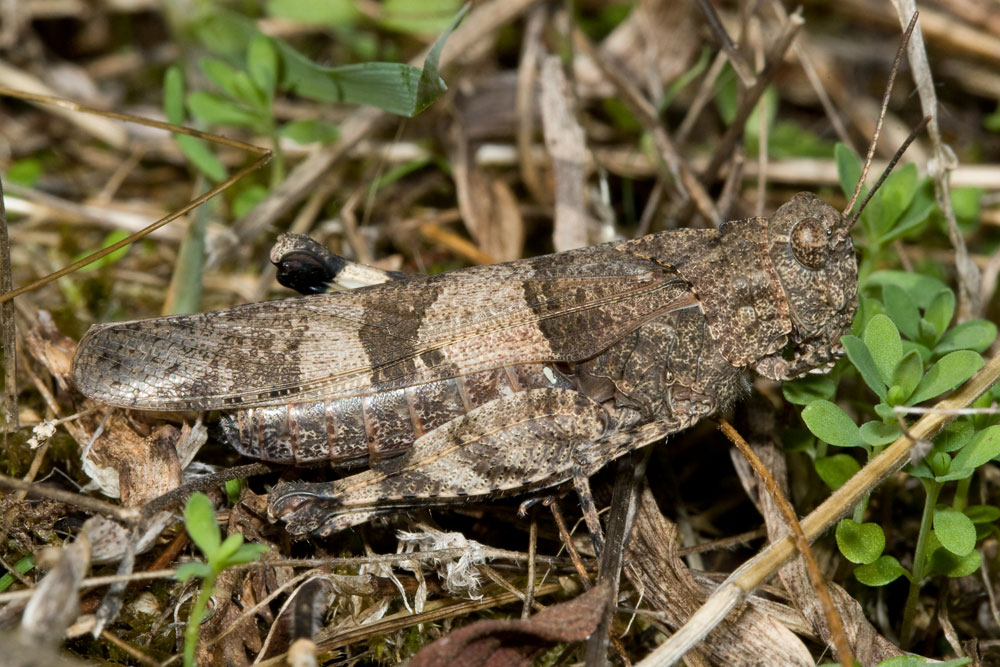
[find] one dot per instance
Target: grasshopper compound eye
(810, 243)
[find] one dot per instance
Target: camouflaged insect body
(495, 378)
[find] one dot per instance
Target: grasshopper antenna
(878, 125)
(888, 169)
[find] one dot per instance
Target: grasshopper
(495, 378)
(502, 378)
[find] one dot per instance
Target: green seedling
(202, 527)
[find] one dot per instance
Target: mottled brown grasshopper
(491, 379)
(494, 378)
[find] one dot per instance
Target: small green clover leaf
(902, 310)
(982, 513)
(954, 530)
(905, 377)
(886, 347)
(804, 390)
(831, 424)
(984, 447)
(877, 433)
(860, 542)
(921, 288)
(884, 570)
(194, 149)
(862, 359)
(940, 311)
(836, 470)
(950, 371)
(954, 436)
(943, 561)
(973, 335)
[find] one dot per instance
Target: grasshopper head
(815, 263)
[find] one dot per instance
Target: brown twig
(834, 623)
(567, 539)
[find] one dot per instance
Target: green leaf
(883, 342)
(917, 661)
(262, 64)
(921, 207)
(972, 335)
(229, 546)
(836, 470)
(221, 74)
(984, 447)
(218, 110)
(25, 172)
(247, 198)
(859, 355)
(950, 371)
(173, 95)
(907, 375)
(249, 94)
(943, 561)
(22, 566)
(901, 309)
(889, 203)
(808, 388)
(106, 261)
(310, 131)
(831, 424)
(921, 288)
(877, 434)
(199, 519)
(867, 309)
(954, 436)
(417, 17)
(885, 412)
(193, 569)
(940, 311)
(201, 157)
(396, 87)
(333, 13)
(860, 542)
(922, 350)
(982, 513)
(882, 571)
(248, 553)
(233, 487)
(954, 530)
(848, 170)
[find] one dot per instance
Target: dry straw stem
(969, 297)
(833, 620)
(751, 574)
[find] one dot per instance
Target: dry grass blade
(8, 330)
(564, 139)
(970, 300)
(836, 625)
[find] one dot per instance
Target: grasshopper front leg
(532, 439)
